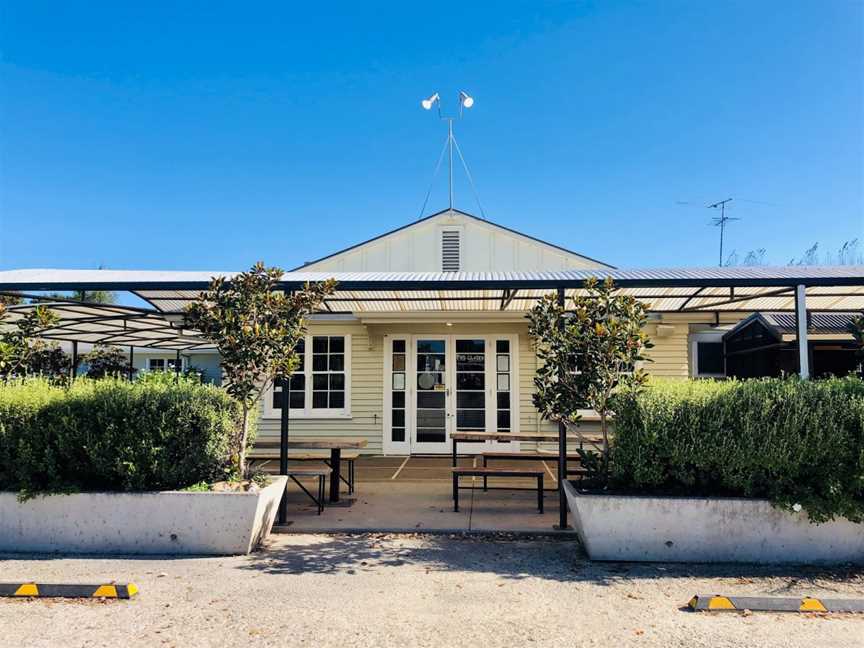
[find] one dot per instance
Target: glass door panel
(471, 385)
(430, 375)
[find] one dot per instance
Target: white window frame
(713, 337)
(166, 360)
(308, 412)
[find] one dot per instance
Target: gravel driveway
(442, 591)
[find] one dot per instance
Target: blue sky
(210, 135)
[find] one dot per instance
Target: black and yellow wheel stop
(69, 590)
(717, 603)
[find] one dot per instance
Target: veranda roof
(735, 289)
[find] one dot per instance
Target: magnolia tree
(255, 328)
(586, 352)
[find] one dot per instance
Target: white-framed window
(707, 358)
(320, 387)
(165, 364)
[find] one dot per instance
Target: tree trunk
(241, 448)
(604, 428)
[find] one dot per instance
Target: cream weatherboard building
(426, 334)
(406, 380)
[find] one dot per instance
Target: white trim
(308, 412)
(713, 337)
(388, 445)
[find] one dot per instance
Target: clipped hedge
(111, 435)
(791, 441)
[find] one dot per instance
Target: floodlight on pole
(428, 103)
(465, 101)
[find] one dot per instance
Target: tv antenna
(465, 101)
(720, 221)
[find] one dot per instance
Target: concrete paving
(392, 495)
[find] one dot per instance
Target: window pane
(297, 399)
(319, 400)
(337, 344)
(337, 382)
(337, 362)
(398, 346)
(430, 381)
(399, 362)
(470, 346)
(475, 400)
(319, 344)
(398, 418)
(470, 362)
(710, 357)
(319, 382)
(431, 362)
(430, 346)
(431, 418)
(503, 363)
(337, 399)
(298, 382)
(277, 399)
(502, 346)
(399, 399)
(397, 434)
(319, 363)
(503, 400)
(471, 419)
(503, 420)
(399, 381)
(430, 399)
(503, 382)
(430, 436)
(470, 381)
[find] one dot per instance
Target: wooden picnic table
(335, 444)
(539, 437)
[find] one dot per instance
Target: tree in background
(106, 362)
(587, 352)
(856, 329)
(256, 329)
(19, 342)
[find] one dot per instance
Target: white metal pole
(801, 323)
(450, 142)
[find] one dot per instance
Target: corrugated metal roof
(818, 322)
(836, 288)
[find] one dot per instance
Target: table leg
(453, 441)
(336, 475)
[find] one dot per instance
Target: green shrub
(791, 441)
(111, 435)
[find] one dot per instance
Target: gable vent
(450, 251)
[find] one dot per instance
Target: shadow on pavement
(508, 557)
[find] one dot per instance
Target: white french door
(435, 385)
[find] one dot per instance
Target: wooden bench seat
(470, 471)
(321, 473)
(270, 452)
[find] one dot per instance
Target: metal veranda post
(562, 445)
(801, 329)
(177, 367)
(74, 370)
(283, 448)
(131, 361)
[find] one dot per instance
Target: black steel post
(562, 445)
(177, 367)
(283, 448)
(74, 371)
(131, 359)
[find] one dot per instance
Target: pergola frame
(684, 291)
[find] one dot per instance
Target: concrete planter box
(169, 522)
(684, 529)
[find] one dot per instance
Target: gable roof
(461, 213)
(783, 323)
